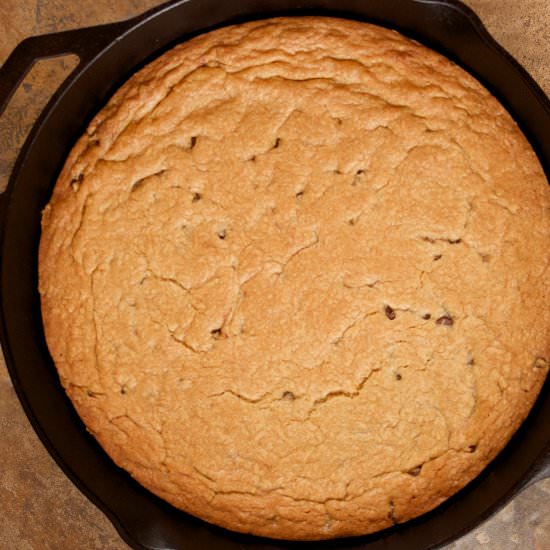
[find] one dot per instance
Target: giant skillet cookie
(295, 277)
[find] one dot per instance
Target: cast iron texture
(108, 55)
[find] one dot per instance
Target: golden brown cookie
(295, 277)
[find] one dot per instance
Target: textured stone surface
(39, 507)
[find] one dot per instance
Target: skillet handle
(86, 43)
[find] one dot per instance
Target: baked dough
(295, 277)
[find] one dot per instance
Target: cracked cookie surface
(294, 277)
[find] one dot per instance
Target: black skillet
(108, 55)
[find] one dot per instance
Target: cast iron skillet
(108, 55)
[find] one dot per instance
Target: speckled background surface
(39, 507)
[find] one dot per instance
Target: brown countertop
(39, 507)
